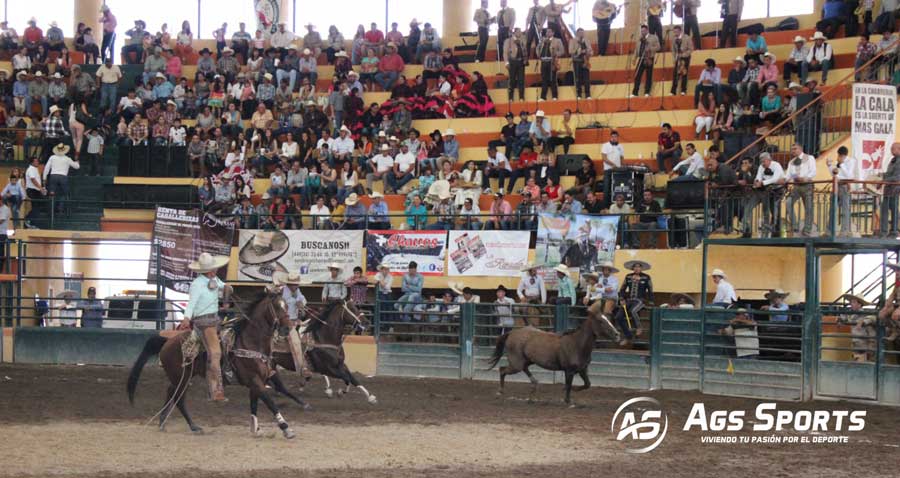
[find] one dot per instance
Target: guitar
(608, 12)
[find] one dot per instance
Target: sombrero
(849, 297)
(376, 194)
(60, 149)
(456, 287)
(207, 263)
(263, 247)
(285, 278)
(562, 269)
(644, 265)
(719, 272)
(263, 272)
(352, 199)
(678, 297)
(66, 294)
(608, 265)
(529, 267)
(590, 275)
(335, 265)
(776, 292)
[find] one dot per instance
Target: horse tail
(498, 351)
(151, 348)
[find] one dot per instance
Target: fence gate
(413, 342)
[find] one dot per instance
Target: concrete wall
(74, 346)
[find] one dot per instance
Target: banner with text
(181, 236)
(397, 248)
(263, 253)
(579, 241)
(874, 117)
(488, 253)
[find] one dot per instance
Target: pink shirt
(504, 209)
(392, 62)
(395, 37)
(173, 66)
(109, 22)
(768, 73)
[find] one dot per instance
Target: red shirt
(277, 211)
(526, 160)
(33, 35)
(374, 36)
(552, 193)
(669, 141)
(391, 62)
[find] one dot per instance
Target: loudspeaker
(626, 181)
(568, 164)
(684, 194)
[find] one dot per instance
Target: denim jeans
(108, 93)
(386, 79)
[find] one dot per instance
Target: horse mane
(324, 315)
(251, 305)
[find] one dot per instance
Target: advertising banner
(397, 248)
(579, 241)
(263, 253)
(874, 117)
(488, 253)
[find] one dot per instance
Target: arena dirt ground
(68, 421)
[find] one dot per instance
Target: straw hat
(54, 109)
(292, 278)
(384, 265)
(263, 247)
(60, 149)
(306, 51)
(562, 269)
(170, 102)
(340, 54)
(818, 36)
(66, 294)
(268, 76)
(590, 275)
(376, 194)
(160, 75)
(57, 76)
(529, 267)
(741, 59)
(456, 287)
(39, 74)
(227, 50)
(385, 147)
(21, 74)
(644, 265)
(208, 263)
(719, 272)
(352, 199)
(799, 39)
(345, 128)
(851, 297)
(335, 265)
(770, 55)
(539, 114)
(609, 265)
(794, 86)
(449, 132)
(776, 293)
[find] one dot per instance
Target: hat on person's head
(770, 55)
(529, 267)
(501, 287)
(264, 247)
(794, 86)
(227, 50)
(54, 109)
(306, 51)
(449, 132)
(384, 265)
(590, 275)
(509, 115)
(391, 45)
(57, 76)
(352, 199)
(345, 128)
(66, 294)
(741, 59)
(21, 74)
(811, 80)
(609, 265)
(61, 148)
(415, 22)
(382, 134)
(268, 76)
(208, 263)
(776, 293)
(170, 102)
(562, 269)
(456, 287)
(718, 272)
(206, 51)
(352, 73)
(335, 265)
(376, 195)
(54, 24)
(539, 114)
(818, 36)
(852, 297)
(799, 39)
(385, 147)
(289, 278)
(393, 138)
(679, 297)
(32, 20)
(644, 265)
(160, 75)
(38, 74)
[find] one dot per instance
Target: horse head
(276, 314)
(351, 315)
(601, 324)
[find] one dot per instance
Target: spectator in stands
(722, 175)
(354, 213)
(749, 87)
(756, 47)
(416, 214)
(710, 81)
(592, 203)
(501, 214)
(564, 133)
(281, 40)
(771, 106)
(540, 131)
(13, 195)
(820, 56)
(469, 216)
(9, 38)
(307, 71)
(620, 208)
(865, 51)
(769, 186)
(138, 131)
(428, 40)
(443, 211)
(451, 145)
(389, 68)
(801, 172)
(546, 206)
(184, 41)
(735, 77)
(56, 174)
(34, 190)
(32, 37)
(381, 165)
(108, 76)
(650, 212)
(411, 287)
(586, 176)
(796, 63)
(497, 166)
(522, 135)
(38, 90)
(569, 204)
(768, 72)
(240, 41)
(668, 147)
(834, 13)
(245, 214)
(706, 114)
(378, 213)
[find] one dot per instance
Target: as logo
(642, 423)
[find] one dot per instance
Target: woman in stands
(216, 99)
(338, 209)
(349, 180)
(293, 217)
(39, 61)
(706, 114)
(357, 49)
(469, 184)
(770, 109)
(231, 121)
(368, 67)
(476, 102)
(255, 65)
(184, 41)
(552, 189)
(85, 43)
(722, 123)
(241, 188)
(206, 193)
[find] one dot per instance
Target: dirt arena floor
(73, 421)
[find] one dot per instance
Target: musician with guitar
(550, 50)
(506, 20)
(555, 22)
(655, 9)
(687, 11)
(516, 60)
(581, 51)
(534, 23)
(731, 12)
(483, 19)
(604, 13)
(646, 47)
(681, 51)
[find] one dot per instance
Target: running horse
(251, 358)
(325, 351)
(570, 352)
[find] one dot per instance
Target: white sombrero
(352, 199)
(608, 265)
(263, 247)
(719, 272)
(292, 278)
(562, 268)
(208, 263)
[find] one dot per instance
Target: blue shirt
(537, 132)
(779, 317)
(412, 283)
(759, 44)
(13, 189)
(163, 90)
(378, 212)
(451, 148)
(20, 88)
(91, 310)
(203, 300)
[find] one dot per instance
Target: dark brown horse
(325, 353)
(569, 352)
(250, 356)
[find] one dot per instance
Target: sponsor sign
(262, 253)
(488, 253)
(579, 241)
(874, 118)
(397, 248)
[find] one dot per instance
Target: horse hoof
(340, 393)
(289, 434)
(197, 431)
(329, 393)
(372, 399)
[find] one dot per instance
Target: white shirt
(177, 135)
(777, 174)
(531, 290)
(724, 293)
(33, 175)
(383, 163)
(127, 102)
(281, 39)
(445, 88)
(322, 141)
(21, 62)
(405, 161)
(316, 210)
(290, 149)
(383, 282)
(59, 165)
(819, 54)
(847, 169)
(805, 170)
(693, 163)
(499, 161)
(343, 145)
(612, 283)
(614, 154)
(294, 301)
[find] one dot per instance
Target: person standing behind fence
(504, 310)
(334, 290)
(358, 285)
(801, 172)
(725, 295)
(92, 310)
(411, 286)
(890, 194)
(56, 174)
(383, 280)
(845, 170)
(564, 286)
(531, 290)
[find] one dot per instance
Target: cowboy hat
(385, 147)
(644, 265)
(57, 76)
(66, 294)
(741, 59)
(263, 247)
(794, 86)
(456, 287)
(268, 76)
(393, 138)
(415, 22)
(609, 265)
(205, 50)
(818, 36)
(335, 265)
(376, 194)
(306, 51)
(851, 297)
(382, 134)
(208, 263)
(32, 20)
(352, 73)
(352, 199)
(160, 75)
(60, 149)
(776, 293)
(227, 50)
(391, 45)
(539, 113)
(562, 269)
(590, 275)
(53, 109)
(266, 196)
(345, 128)
(341, 54)
(39, 74)
(719, 272)
(289, 278)
(20, 74)
(770, 55)
(384, 265)
(799, 39)
(678, 297)
(449, 132)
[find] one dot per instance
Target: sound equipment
(569, 164)
(626, 181)
(685, 231)
(684, 194)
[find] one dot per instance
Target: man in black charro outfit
(636, 291)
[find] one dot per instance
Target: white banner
(874, 118)
(262, 253)
(488, 253)
(398, 248)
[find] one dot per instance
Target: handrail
(821, 98)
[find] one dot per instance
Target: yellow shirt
(560, 128)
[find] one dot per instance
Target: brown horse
(569, 352)
(250, 356)
(325, 354)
